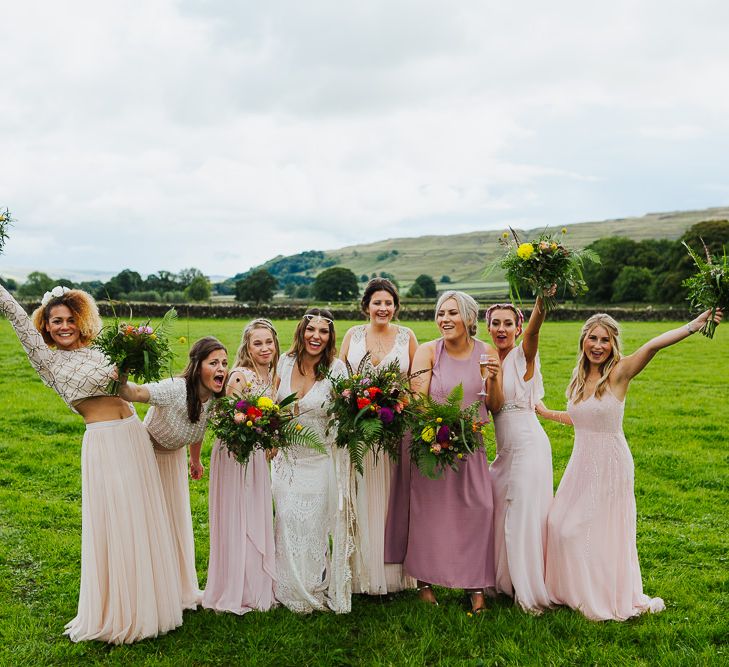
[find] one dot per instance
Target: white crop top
(167, 420)
(73, 374)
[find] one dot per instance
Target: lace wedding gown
(312, 499)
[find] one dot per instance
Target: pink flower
(239, 417)
(346, 393)
(435, 448)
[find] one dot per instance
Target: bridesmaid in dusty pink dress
(448, 538)
(241, 566)
(592, 558)
(522, 470)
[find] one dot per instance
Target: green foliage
(416, 291)
(390, 277)
(634, 283)
(142, 352)
(709, 288)
(427, 285)
(198, 289)
(6, 220)
(303, 292)
(336, 284)
(148, 296)
(36, 285)
(9, 284)
(186, 277)
(680, 448)
(122, 283)
(258, 287)
(445, 279)
(174, 296)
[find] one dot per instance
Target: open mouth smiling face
(214, 371)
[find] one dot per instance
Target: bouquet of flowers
(443, 433)
(253, 421)
(541, 263)
(5, 221)
(709, 287)
(143, 352)
(368, 410)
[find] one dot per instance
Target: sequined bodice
(73, 374)
(399, 351)
(167, 420)
(603, 415)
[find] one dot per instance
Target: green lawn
(675, 422)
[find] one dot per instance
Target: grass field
(675, 422)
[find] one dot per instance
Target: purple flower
(443, 435)
(242, 405)
(386, 415)
(365, 381)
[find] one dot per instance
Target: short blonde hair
(467, 309)
(84, 309)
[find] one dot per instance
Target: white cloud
(218, 134)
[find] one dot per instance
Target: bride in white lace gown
(310, 489)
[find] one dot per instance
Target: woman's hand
(493, 366)
(541, 409)
(197, 469)
(697, 323)
(271, 453)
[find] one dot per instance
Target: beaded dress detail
(312, 496)
(167, 420)
(592, 557)
(73, 374)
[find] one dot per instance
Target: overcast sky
(155, 134)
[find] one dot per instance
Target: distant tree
(147, 296)
(364, 278)
(36, 285)
(416, 291)
(290, 289)
(257, 287)
(186, 276)
(445, 279)
(394, 252)
(382, 256)
(198, 289)
(94, 287)
(174, 296)
(303, 292)
(615, 253)
(336, 284)
(9, 284)
(633, 283)
(162, 281)
(124, 282)
(427, 284)
(374, 275)
(390, 277)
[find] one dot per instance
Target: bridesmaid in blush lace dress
(385, 342)
(448, 538)
(241, 566)
(592, 557)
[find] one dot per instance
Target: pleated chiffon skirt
(129, 584)
(172, 465)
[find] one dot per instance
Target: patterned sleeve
(39, 354)
(338, 369)
(166, 392)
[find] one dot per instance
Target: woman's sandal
(477, 608)
(430, 599)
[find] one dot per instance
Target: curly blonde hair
(84, 309)
(576, 389)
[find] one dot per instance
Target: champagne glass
(483, 365)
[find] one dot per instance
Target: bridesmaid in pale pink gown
(592, 558)
(386, 342)
(522, 470)
(241, 566)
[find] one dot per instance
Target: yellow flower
(564, 230)
(553, 245)
(153, 336)
(276, 407)
(439, 419)
(428, 434)
(460, 456)
(525, 250)
(265, 403)
(249, 423)
(182, 340)
(299, 427)
(505, 235)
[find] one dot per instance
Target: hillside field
(676, 426)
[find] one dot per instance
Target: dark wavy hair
(298, 346)
(199, 352)
(379, 285)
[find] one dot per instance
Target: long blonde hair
(243, 357)
(576, 389)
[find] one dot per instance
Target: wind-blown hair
(467, 308)
(84, 309)
(243, 358)
(380, 285)
(199, 352)
(576, 389)
(298, 346)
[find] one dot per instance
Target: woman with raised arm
(311, 489)
(241, 567)
(450, 539)
(129, 586)
(522, 470)
(385, 342)
(592, 558)
(177, 418)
